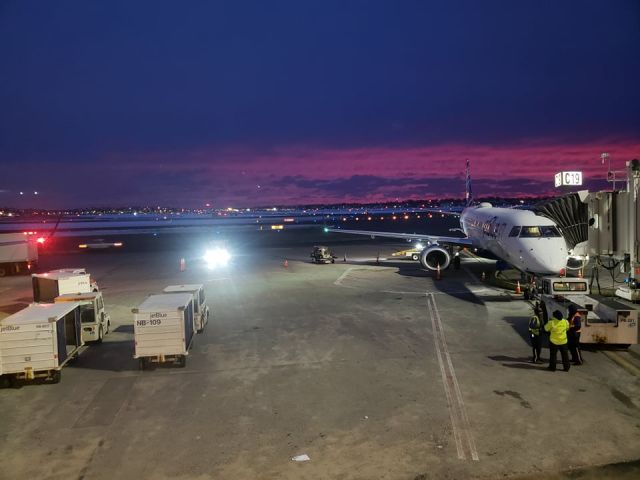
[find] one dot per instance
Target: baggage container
(163, 329)
(200, 308)
(38, 341)
(48, 286)
(18, 252)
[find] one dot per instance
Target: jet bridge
(570, 213)
(602, 224)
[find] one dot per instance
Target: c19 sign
(570, 179)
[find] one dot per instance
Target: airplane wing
(459, 241)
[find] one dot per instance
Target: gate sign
(568, 179)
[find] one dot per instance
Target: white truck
(47, 286)
(163, 329)
(39, 340)
(605, 320)
(93, 317)
(200, 308)
(18, 252)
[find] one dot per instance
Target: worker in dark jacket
(557, 328)
(535, 334)
(573, 335)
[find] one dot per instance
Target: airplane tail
(468, 194)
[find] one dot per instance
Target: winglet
(468, 194)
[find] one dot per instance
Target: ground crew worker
(535, 334)
(557, 328)
(573, 335)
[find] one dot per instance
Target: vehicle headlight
(217, 257)
(419, 246)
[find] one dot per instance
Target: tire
(333, 260)
(56, 376)
(415, 257)
(100, 335)
(3, 271)
(108, 327)
(142, 363)
(182, 361)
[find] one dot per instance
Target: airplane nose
(553, 260)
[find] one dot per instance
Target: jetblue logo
(158, 315)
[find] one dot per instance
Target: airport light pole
(610, 175)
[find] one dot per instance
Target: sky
(294, 102)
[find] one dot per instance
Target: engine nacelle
(433, 256)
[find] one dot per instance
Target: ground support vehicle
(605, 320)
(93, 317)
(412, 253)
(200, 308)
(39, 340)
(321, 254)
(163, 329)
(18, 252)
(47, 286)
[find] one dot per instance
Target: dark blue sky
(204, 101)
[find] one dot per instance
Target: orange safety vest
(572, 322)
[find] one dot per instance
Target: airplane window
(530, 232)
(549, 231)
(515, 231)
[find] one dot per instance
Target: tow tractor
(93, 317)
(606, 321)
(321, 254)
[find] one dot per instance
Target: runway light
(326, 230)
(394, 217)
(117, 244)
(82, 245)
(406, 217)
(218, 257)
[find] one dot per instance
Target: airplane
(531, 243)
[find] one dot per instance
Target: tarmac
(372, 369)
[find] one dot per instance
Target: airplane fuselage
(527, 241)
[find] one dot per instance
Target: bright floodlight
(217, 257)
(419, 246)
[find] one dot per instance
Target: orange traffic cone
(286, 263)
(438, 274)
(518, 289)
(183, 265)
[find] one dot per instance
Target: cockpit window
(549, 231)
(515, 231)
(529, 232)
(545, 231)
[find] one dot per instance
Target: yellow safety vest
(534, 325)
(558, 330)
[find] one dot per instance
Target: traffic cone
(438, 274)
(183, 265)
(518, 289)
(286, 263)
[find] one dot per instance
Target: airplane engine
(433, 256)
